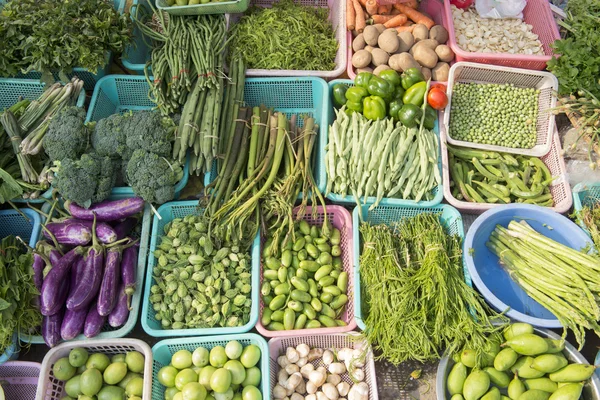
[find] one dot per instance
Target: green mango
(456, 379)
(516, 388)
(457, 396)
(468, 357)
(476, 385)
(573, 373)
(544, 384)
(534, 394)
(523, 368)
(555, 345)
(571, 391)
(549, 363)
(498, 378)
(505, 359)
(517, 329)
(527, 344)
(492, 394)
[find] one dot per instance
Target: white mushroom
(359, 391)
(314, 354)
(322, 370)
(294, 381)
(358, 375)
(311, 397)
(307, 369)
(358, 358)
(321, 396)
(279, 392)
(296, 396)
(317, 378)
(311, 388)
(289, 391)
(343, 388)
(301, 388)
(283, 361)
(303, 350)
(290, 369)
(282, 377)
(344, 354)
(327, 357)
(302, 361)
(334, 379)
(292, 355)
(337, 368)
(330, 391)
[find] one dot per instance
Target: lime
(178, 396)
(135, 387)
(185, 376)
(170, 393)
(193, 391)
(99, 361)
(166, 376)
(63, 370)
(204, 376)
(78, 357)
(84, 397)
(237, 396)
(252, 377)
(250, 356)
(118, 358)
(62, 398)
(237, 370)
(227, 395)
(72, 386)
(182, 359)
(210, 397)
(220, 381)
(218, 357)
(135, 361)
(129, 376)
(115, 373)
(81, 369)
(200, 357)
(91, 382)
(233, 350)
(251, 393)
(111, 393)
(134, 398)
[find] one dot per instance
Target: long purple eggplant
(123, 228)
(120, 313)
(38, 270)
(54, 257)
(70, 230)
(108, 210)
(72, 324)
(107, 297)
(51, 328)
(93, 322)
(128, 271)
(55, 286)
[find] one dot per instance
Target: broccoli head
(152, 177)
(109, 135)
(152, 132)
(67, 135)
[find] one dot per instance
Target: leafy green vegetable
(9, 187)
(153, 177)
(67, 135)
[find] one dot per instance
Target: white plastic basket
(465, 72)
(278, 346)
(21, 378)
(50, 388)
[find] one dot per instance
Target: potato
(365, 69)
(402, 62)
(388, 41)
(361, 59)
(406, 40)
(426, 57)
(369, 48)
(429, 43)
(440, 72)
(380, 68)
(358, 43)
(380, 28)
(439, 33)
(371, 34)
(420, 32)
(379, 57)
(426, 73)
(444, 53)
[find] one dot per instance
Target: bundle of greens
(54, 36)
(590, 216)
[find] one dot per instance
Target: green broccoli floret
(67, 135)
(109, 135)
(152, 133)
(152, 177)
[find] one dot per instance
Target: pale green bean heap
(500, 115)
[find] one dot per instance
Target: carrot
(381, 19)
(363, 2)
(371, 7)
(397, 20)
(414, 4)
(414, 15)
(405, 28)
(350, 15)
(359, 22)
(384, 9)
(408, 23)
(394, 12)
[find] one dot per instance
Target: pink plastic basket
(537, 13)
(342, 220)
(560, 189)
(20, 379)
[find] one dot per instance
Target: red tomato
(437, 99)
(440, 86)
(462, 3)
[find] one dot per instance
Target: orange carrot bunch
(400, 15)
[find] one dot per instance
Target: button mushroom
(303, 350)
(343, 388)
(359, 391)
(314, 354)
(330, 391)
(327, 357)
(279, 392)
(307, 369)
(292, 355)
(334, 379)
(290, 369)
(337, 368)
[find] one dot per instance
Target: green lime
(135, 361)
(78, 357)
(81, 369)
(72, 386)
(170, 393)
(129, 376)
(99, 361)
(111, 393)
(237, 370)
(84, 397)
(210, 397)
(118, 358)
(252, 377)
(91, 382)
(220, 381)
(193, 391)
(250, 356)
(233, 350)
(134, 398)
(63, 370)
(185, 376)
(251, 393)
(237, 396)
(115, 373)
(178, 396)
(166, 376)
(200, 357)
(135, 387)
(204, 376)
(182, 359)
(218, 357)
(228, 394)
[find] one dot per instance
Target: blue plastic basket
(389, 214)
(437, 192)
(163, 350)
(585, 194)
(137, 54)
(118, 93)
(13, 223)
(168, 212)
(300, 96)
(12, 351)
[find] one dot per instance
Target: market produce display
(223, 372)
(590, 217)
(490, 177)
(521, 364)
(315, 373)
(562, 279)
(95, 375)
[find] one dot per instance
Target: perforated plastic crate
(168, 212)
(21, 379)
(389, 215)
(119, 93)
(545, 82)
(11, 352)
(278, 346)
(137, 54)
(213, 7)
(340, 218)
(585, 194)
(50, 388)
(163, 350)
(13, 223)
(437, 193)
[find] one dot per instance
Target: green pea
(275, 326)
(316, 304)
(313, 324)
(274, 283)
(291, 272)
(309, 311)
(304, 227)
(265, 290)
(324, 247)
(319, 240)
(310, 266)
(282, 274)
(282, 288)
(277, 316)
(326, 297)
(270, 274)
(300, 321)
(302, 255)
(325, 259)
(336, 251)
(289, 318)
(267, 299)
(295, 305)
(337, 263)
(314, 232)
(266, 317)
(335, 274)
(288, 245)
(286, 258)
(326, 281)
(300, 273)
(327, 321)
(334, 290)
(299, 284)
(323, 271)
(299, 244)
(342, 282)
(312, 288)
(339, 301)
(295, 261)
(299, 295)
(267, 247)
(326, 310)
(308, 239)
(277, 302)
(272, 263)
(339, 322)
(313, 251)
(335, 236)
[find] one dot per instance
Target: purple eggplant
(38, 270)
(120, 313)
(72, 324)
(56, 285)
(69, 232)
(54, 257)
(51, 328)
(128, 271)
(123, 228)
(93, 322)
(108, 210)
(107, 297)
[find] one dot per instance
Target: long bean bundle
(562, 279)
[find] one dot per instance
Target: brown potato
(379, 57)
(365, 69)
(406, 40)
(420, 32)
(380, 28)
(444, 53)
(426, 57)
(380, 68)
(426, 73)
(402, 62)
(440, 72)
(358, 43)
(439, 33)
(371, 34)
(388, 41)
(429, 43)
(361, 59)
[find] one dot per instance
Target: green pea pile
(197, 284)
(304, 284)
(500, 115)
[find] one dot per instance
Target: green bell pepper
(398, 93)
(415, 94)
(411, 76)
(380, 87)
(362, 79)
(410, 115)
(356, 94)
(339, 94)
(374, 107)
(391, 76)
(430, 117)
(394, 107)
(354, 105)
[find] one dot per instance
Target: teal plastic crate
(167, 213)
(389, 214)
(119, 93)
(163, 350)
(437, 192)
(585, 194)
(137, 54)
(13, 223)
(300, 96)
(11, 352)
(213, 7)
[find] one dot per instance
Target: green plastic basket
(437, 192)
(118, 93)
(163, 350)
(585, 194)
(389, 214)
(300, 96)
(13, 223)
(213, 7)
(108, 332)
(167, 213)
(137, 54)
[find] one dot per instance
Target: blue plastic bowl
(490, 277)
